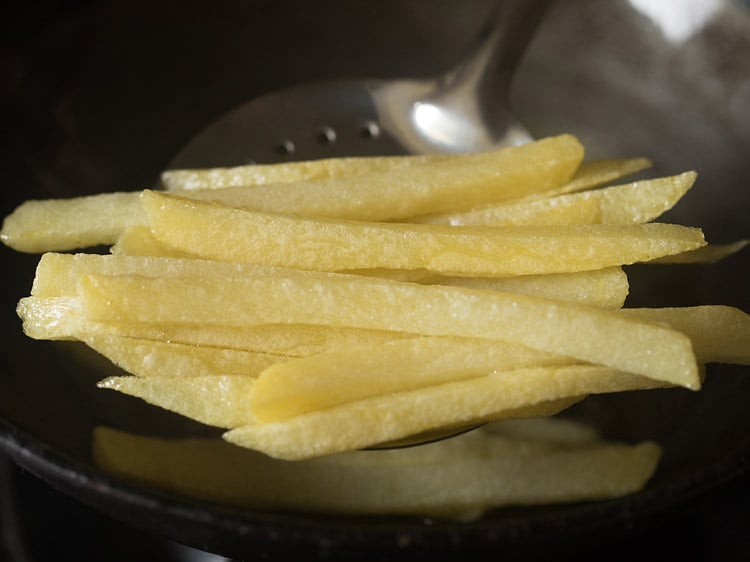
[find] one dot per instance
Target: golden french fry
(149, 358)
(61, 318)
(299, 386)
(605, 288)
(706, 254)
(288, 172)
(59, 274)
(468, 474)
(138, 241)
(237, 235)
(719, 334)
(632, 203)
(381, 419)
(469, 180)
(585, 333)
(600, 172)
(219, 400)
(64, 224)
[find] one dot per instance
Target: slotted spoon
(465, 109)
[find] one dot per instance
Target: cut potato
(139, 241)
(458, 478)
(373, 421)
(706, 254)
(632, 203)
(61, 318)
(469, 180)
(237, 235)
(213, 400)
(150, 358)
(585, 333)
(64, 224)
(719, 334)
(300, 386)
(287, 172)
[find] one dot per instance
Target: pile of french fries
(317, 308)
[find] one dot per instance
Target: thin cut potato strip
(290, 388)
(65, 224)
(582, 332)
(471, 179)
(458, 478)
(287, 172)
(139, 241)
(720, 334)
(369, 422)
(212, 400)
(61, 318)
(59, 274)
(632, 203)
(711, 253)
(150, 358)
(238, 235)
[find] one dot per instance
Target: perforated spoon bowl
(465, 109)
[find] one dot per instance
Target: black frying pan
(101, 97)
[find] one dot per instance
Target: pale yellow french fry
(585, 333)
(58, 274)
(455, 478)
(719, 333)
(706, 254)
(605, 288)
(372, 421)
(239, 235)
(150, 358)
(138, 241)
(219, 400)
(468, 180)
(64, 224)
(632, 203)
(287, 172)
(296, 387)
(600, 172)
(61, 318)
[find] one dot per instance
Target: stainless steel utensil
(466, 109)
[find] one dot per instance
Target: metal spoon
(466, 109)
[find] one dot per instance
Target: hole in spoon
(286, 148)
(370, 130)
(327, 135)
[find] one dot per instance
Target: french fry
(214, 400)
(632, 203)
(719, 334)
(471, 179)
(238, 235)
(711, 253)
(605, 288)
(381, 419)
(287, 389)
(138, 241)
(585, 333)
(65, 224)
(467, 475)
(151, 358)
(288, 172)
(61, 318)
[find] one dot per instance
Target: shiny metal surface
(465, 109)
